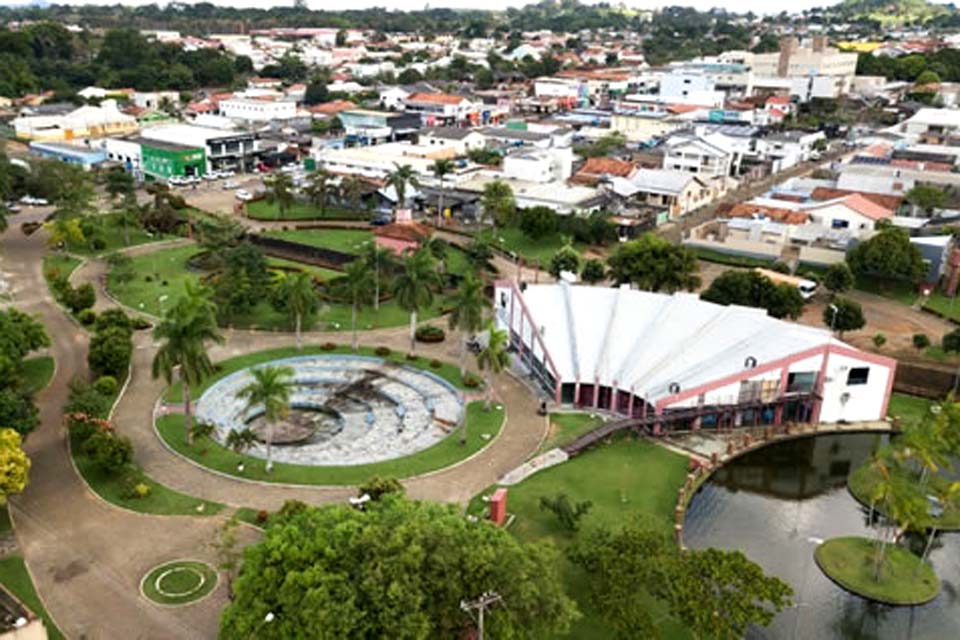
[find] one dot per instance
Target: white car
(176, 181)
(244, 195)
(230, 184)
(35, 202)
(227, 173)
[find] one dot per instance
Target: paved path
(86, 556)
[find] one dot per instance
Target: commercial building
(258, 110)
(83, 122)
(84, 156)
(164, 160)
(366, 126)
(675, 363)
(233, 150)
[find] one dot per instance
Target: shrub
(83, 297)
(471, 381)
(148, 278)
(81, 426)
(85, 399)
(328, 346)
(140, 324)
(87, 317)
(135, 488)
(951, 341)
(921, 341)
(780, 267)
(106, 385)
(112, 318)
(431, 334)
(383, 352)
(99, 244)
(108, 451)
(377, 487)
(879, 340)
(110, 352)
(435, 364)
(412, 357)
(262, 516)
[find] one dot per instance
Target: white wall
(863, 402)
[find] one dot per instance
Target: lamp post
(267, 619)
(833, 317)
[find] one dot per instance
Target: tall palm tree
(319, 188)
(413, 288)
(127, 214)
(354, 285)
(493, 357)
(467, 314)
(185, 330)
(269, 389)
(440, 168)
(351, 188)
(297, 291)
(280, 192)
(378, 259)
(400, 178)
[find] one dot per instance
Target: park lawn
(111, 232)
(161, 500)
(15, 577)
(624, 479)
(567, 427)
(263, 210)
(482, 427)
(343, 240)
(37, 373)
(316, 272)
(61, 262)
(898, 290)
(158, 279)
(447, 371)
(904, 578)
(513, 240)
(944, 305)
(909, 408)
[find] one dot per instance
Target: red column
(817, 403)
(778, 416)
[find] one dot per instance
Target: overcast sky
(757, 6)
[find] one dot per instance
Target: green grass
(191, 578)
(448, 451)
(37, 373)
(512, 239)
(111, 233)
(567, 427)
(16, 578)
(63, 263)
(944, 305)
(909, 408)
(263, 210)
(623, 479)
(718, 257)
(170, 266)
(447, 371)
(904, 578)
(115, 489)
(6, 526)
(864, 478)
(344, 240)
(898, 290)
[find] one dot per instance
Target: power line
(481, 604)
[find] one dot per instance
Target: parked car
(227, 173)
(12, 206)
(230, 184)
(34, 202)
(211, 176)
(381, 219)
(244, 195)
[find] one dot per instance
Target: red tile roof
(750, 210)
(435, 98)
(881, 199)
(332, 107)
(863, 206)
(683, 108)
(595, 168)
(778, 100)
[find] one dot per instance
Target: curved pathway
(85, 555)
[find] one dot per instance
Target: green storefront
(161, 160)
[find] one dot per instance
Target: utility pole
(487, 599)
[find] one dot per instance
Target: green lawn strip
(448, 451)
(37, 373)
(447, 371)
(864, 478)
(513, 240)
(316, 272)
(61, 262)
(6, 527)
(623, 479)
(898, 290)
(904, 578)
(343, 240)
(567, 427)
(179, 582)
(909, 408)
(944, 305)
(718, 257)
(111, 232)
(160, 277)
(16, 578)
(251, 516)
(263, 210)
(114, 488)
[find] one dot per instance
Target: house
(539, 165)
(460, 139)
(930, 125)
(672, 363)
(155, 99)
(258, 110)
(693, 154)
(331, 108)
(596, 169)
(565, 199)
(788, 148)
(676, 193)
(365, 126)
(442, 109)
(854, 212)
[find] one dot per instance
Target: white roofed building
(675, 362)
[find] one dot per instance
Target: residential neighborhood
(543, 320)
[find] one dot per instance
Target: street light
(267, 619)
(833, 317)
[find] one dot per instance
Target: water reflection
(778, 503)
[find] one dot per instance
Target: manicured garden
(345, 240)
(37, 373)
(15, 577)
(179, 582)
(108, 235)
(265, 210)
(513, 240)
(567, 427)
(482, 428)
(904, 579)
(624, 479)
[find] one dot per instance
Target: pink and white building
(675, 362)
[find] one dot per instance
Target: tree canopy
(753, 289)
(655, 264)
(399, 569)
(888, 254)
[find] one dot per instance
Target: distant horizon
(738, 6)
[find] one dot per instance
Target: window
(858, 375)
(839, 224)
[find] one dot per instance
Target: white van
(807, 288)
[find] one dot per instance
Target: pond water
(778, 503)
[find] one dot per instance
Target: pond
(778, 503)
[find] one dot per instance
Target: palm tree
(437, 247)
(354, 285)
(413, 288)
(376, 258)
(241, 440)
(319, 188)
(492, 358)
(467, 314)
(127, 213)
(280, 191)
(270, 389)
(440, 168)
(399, 179)
(184, 332)
(299, 295)
(351, 188)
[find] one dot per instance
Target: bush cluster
(429, 333)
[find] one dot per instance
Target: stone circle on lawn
(345, 410)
